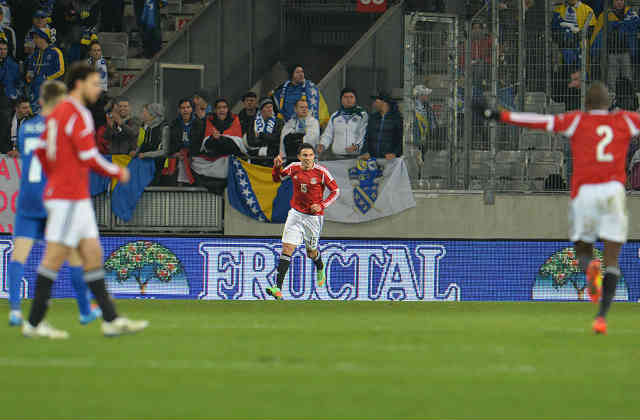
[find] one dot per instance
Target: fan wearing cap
(40, 21)
(425, 124)
(286, 97)
(264, 136)
(384, 130)
(7, 34)
(46, 63)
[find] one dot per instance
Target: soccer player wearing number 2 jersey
(68, 153)
(304, 221)
(599, 144)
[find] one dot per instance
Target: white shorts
(70, 221)
(301, 227)
(599, 211)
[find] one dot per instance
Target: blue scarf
(301, 124)
(310, 94)
(186, 128)
(260, 126)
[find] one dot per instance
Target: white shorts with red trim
(599, 211)
(70, 221)
(301, 227)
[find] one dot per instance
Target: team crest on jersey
(365, 177)
(313, 181)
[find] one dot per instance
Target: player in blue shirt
(31, 215)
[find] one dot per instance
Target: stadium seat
(537, 140)
(541, 164)
(436, 165)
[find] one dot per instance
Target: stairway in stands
(124, 49)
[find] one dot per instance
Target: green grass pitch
(328, 360)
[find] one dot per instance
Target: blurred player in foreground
(304, 221)
(31, 216)
(599, 143)
(69, 152)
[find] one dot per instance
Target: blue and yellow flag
(252, 192)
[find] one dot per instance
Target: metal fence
(514, 55)
(165, 210)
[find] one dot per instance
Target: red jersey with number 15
(308, 186)
(599, 141)
(70, 152)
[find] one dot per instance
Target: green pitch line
(328, 360)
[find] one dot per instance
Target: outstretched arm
(565, 124)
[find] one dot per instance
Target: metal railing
(508, 56)
(165, 210)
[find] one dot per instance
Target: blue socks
(80, 287)
(16, 272)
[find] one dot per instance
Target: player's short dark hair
(306, 146)
(79, 70)
(94, 42)
(597, 97)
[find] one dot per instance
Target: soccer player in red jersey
(304, 221)
(68, 154)
(599, 143)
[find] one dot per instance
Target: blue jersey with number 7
(33, 180)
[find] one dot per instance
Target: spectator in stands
(223, 133)
(156, 138)
(201, 102)
(568, 20)
(121, 132)
(301, 128)
(9, 77)
(425, 123)
(248, 114)
(112, 15)
(8, 35)
(264, 136)
(384, 131)
(83, 17)
(286, 96)
(9, 72)
(150, 22)
(347, 127)
(46, 63)
(621, 42)
(40, 21)
(183, 131)
(21, 21)
(22, 114)
(6, 13)
(97, 61)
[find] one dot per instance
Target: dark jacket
(196, 134)
(246, 121)
(384, 134)
(269, 140)
(122, 139)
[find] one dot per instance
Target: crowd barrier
(365, 270)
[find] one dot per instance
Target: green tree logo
(144, 261)
(562, 268)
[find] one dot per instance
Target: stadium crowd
(40, 37)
